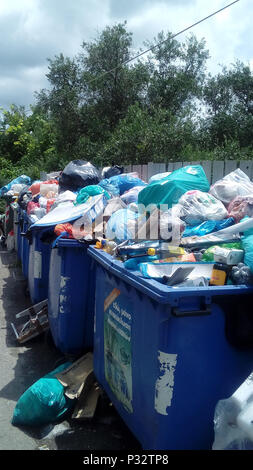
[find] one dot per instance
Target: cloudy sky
(33, 30)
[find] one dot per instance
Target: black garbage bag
(23, 201)
(78, 174)
(109, 171)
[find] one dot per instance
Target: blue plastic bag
(208, 227)
(23, 179)
(44, 402)
(121, 183)
(169, 190)
(121, 225)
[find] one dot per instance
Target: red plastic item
(31, 206)
(60, 228)
(50, 202)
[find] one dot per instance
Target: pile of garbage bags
(144, 224)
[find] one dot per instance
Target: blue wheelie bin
(20, 230)
(25, 250)
(71, 297)
(38, 266)
(164, 355)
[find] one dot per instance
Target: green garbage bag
(172, 187)
(44, 402)
(87, 191)
(208, 255)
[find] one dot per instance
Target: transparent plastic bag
(198, 207)
(240, 207)
(233, 418)
(122, 225)
(236, 183)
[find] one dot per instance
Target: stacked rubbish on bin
(173, 332)
(168, 267)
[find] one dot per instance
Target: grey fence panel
(150, 170)
(137, 168)
(177, 165)
(128, 168)
(247, 167)
(170, 166)
(162, 168)
(214, 170)
(218, 170)
(230, 165)
(144, 173)
(207, 167)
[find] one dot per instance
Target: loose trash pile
(174, 222)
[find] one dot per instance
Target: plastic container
(71, 297)
(162, 355)
(38, 267)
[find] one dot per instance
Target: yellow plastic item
(151, 251)
(98, 245)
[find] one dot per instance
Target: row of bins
(162, 355)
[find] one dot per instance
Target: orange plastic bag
(60, 228)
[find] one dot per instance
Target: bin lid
(155, 289)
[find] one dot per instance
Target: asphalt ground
(22, 365)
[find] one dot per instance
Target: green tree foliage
(102, 107)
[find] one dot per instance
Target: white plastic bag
(198, 207)
(233, 419)
(158, 176)
(236, 183)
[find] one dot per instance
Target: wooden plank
(144, 173)
(230, 165)
(187, 163)
(150, 170)
(247, 167)
(170, 166)
(177, 165)
(217, 171)
(128, 168)
(207, 167)
(156, 168)
(162, 168)
(137, 169)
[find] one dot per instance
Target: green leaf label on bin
(117, 345)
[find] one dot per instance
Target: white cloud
(33, 30)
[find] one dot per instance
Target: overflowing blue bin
(71, 297)
(163, 356)
(19, 229)
(38, 266)
(25, 245)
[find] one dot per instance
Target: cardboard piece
(34, 322)
(87, 403)
(75, 376)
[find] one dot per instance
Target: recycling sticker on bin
(117, 345)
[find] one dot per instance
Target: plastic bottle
(165, 251)
(107, 245)
(219, 274)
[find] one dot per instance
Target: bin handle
(176, 312)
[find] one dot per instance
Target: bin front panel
(71, 298)
(38, 269)
(164, 372)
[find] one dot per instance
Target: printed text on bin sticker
(165, 382)
(37, 265)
